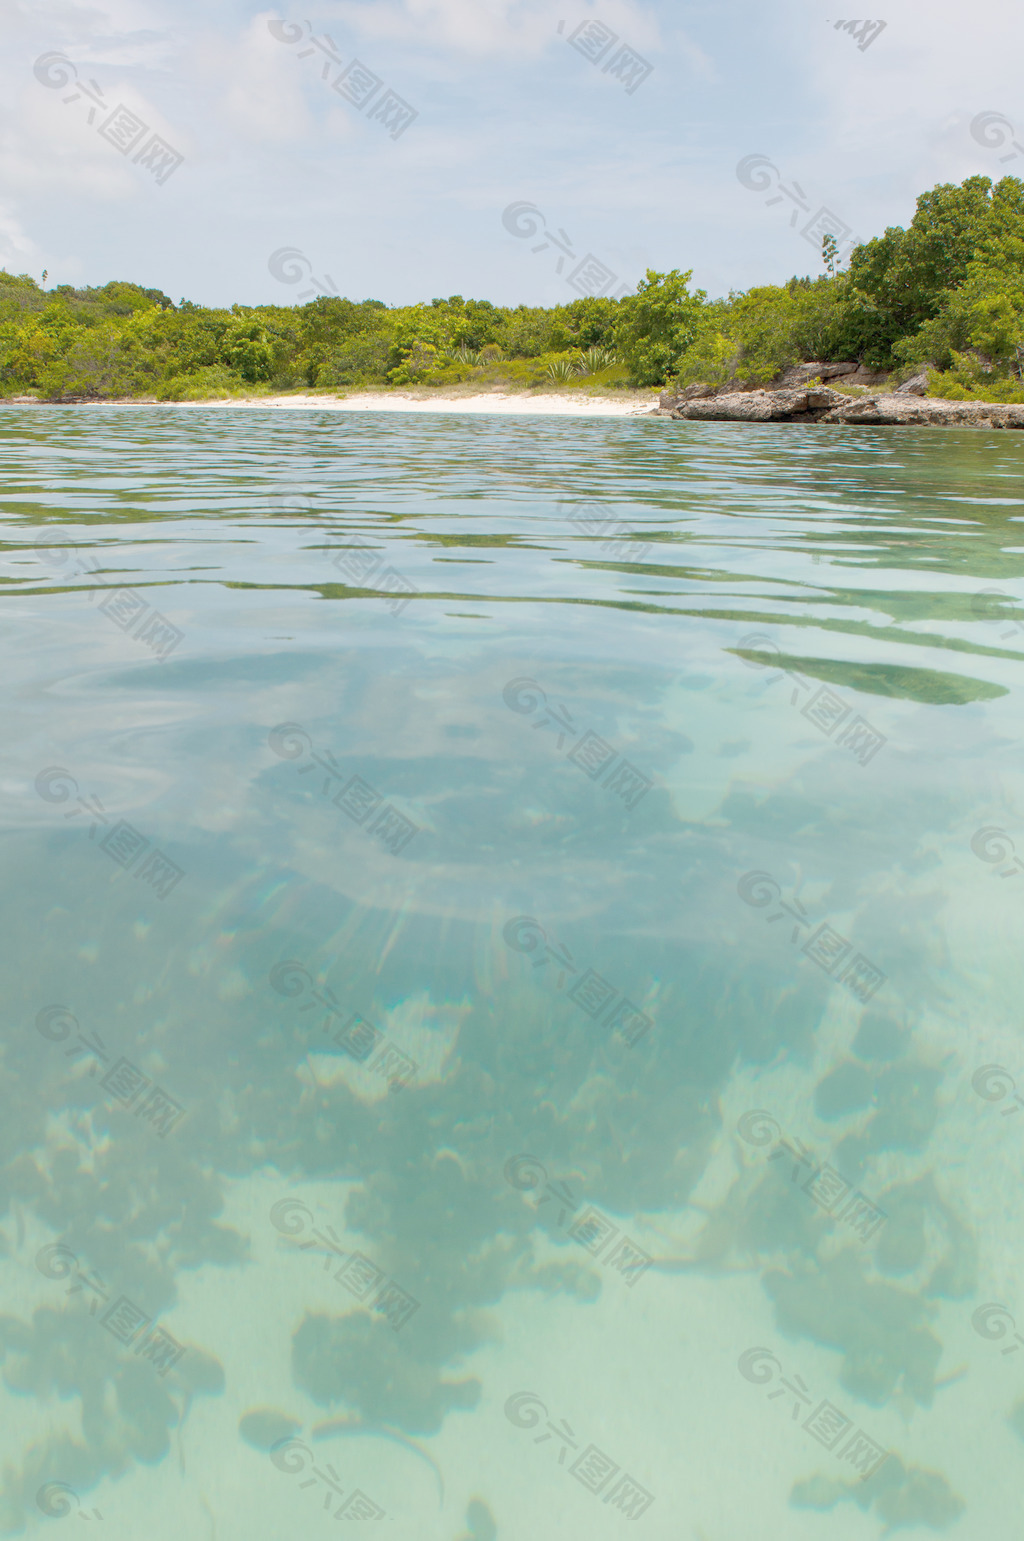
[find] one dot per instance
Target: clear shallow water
(509, 928)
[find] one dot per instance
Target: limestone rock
(761, 406)
(917, 386)
(672, 398)
(905, 408)
(864, 376)
(801, 373)
(821, 404)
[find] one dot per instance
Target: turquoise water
(511, 980)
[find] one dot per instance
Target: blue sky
(281, 150)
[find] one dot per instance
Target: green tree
(658, 324)
(830, 254)
(899, 280)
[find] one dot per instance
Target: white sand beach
(519, 403)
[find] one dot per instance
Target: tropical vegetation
(943, 297)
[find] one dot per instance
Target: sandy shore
(565, 404)
(520, 403)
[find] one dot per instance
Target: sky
(521, 151)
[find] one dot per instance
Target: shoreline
(777, 405)
(504, 403)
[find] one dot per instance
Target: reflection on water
(511, 995)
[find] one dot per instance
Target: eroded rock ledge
(792, 401)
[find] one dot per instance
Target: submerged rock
(879, 1329)
(264, 1427)
(1016, 1419)
(481, 1522)
(902, 1496)
(880, 1038)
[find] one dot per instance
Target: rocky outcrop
(820, 404)
(801, 374)
(790, 379)
(792, 398)
(868, 377)
(760, 406)
(669, 399)
(905, 408)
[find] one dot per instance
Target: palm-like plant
(461, 355)
(596, 358)
(562, 370)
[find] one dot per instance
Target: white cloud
(18, 252)
(506, 28)
(259, 85)
(507, 110)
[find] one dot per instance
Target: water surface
(512, 979)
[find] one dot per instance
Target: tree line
(945, 295)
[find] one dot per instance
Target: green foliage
(658, 324)
(361, 360)
(970, 379)
(562, 370)
(984, 313)
(902, 281)
(596, 359)
(752, 337)
(947, 291)
(214, 383)
(776, 327)
(246, 350)
(830, 254)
